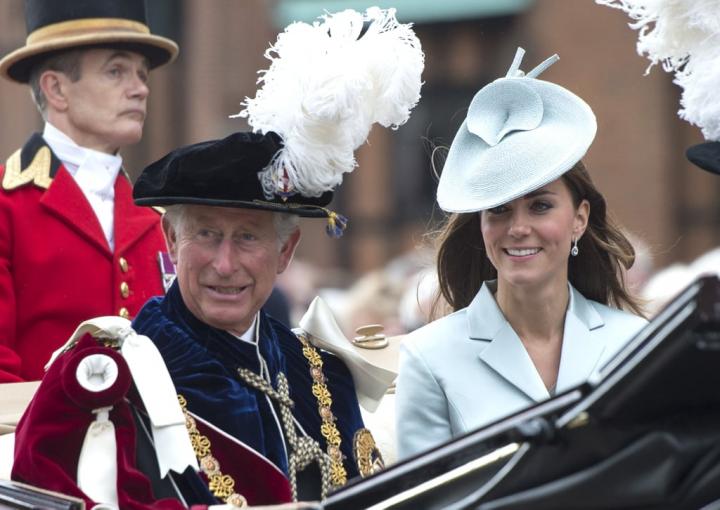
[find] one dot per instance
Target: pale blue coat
(470, 368)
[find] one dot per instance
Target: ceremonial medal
(167, 270)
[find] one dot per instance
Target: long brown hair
(597, 273)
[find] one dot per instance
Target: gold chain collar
(222, 486)
(328, 429)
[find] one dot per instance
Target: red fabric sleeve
(9, 360)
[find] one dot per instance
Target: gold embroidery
(311, 354)
(322, 394)
(222, 486)
(201, 445)
(37, 172)
(367, 455)
(328, 429)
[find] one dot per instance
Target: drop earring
(574, 250)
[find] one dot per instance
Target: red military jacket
(56, 268)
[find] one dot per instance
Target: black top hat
(224, 173)
(706, 156)
(54, 25)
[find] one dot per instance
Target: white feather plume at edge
(325, 88)
(684, 37)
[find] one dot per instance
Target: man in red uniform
(72, 243)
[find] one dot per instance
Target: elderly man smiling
(230, 258)
(232, 226)
(237, 367)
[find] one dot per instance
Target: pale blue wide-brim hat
(520, 134)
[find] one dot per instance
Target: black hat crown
(43, 13)
(222, 173)
(56, 25)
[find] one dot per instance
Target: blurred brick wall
(637, 159)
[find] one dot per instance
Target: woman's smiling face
(528, 240)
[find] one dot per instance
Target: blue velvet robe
(203, 363)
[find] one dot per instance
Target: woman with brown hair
(529, 262)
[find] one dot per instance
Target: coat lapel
(581, 349)
(131, 221)
(502, 350)
(65, 199)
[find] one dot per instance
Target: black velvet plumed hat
(327, 84)
(223, 173)
(706, 156)
(56, 25)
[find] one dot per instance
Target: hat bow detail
(507, 104)
(503, 107)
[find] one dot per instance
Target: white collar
(94, 172)
(250, 335)
(73, 156)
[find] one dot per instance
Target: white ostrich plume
(684, 37)
(327, 84)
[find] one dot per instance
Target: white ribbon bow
(157, 391)
(371, 374)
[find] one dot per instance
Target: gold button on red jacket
(56, 268)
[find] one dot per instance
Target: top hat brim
(706, 156)
(17, 65)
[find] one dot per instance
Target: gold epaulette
(37, 172)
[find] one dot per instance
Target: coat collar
(132, 222)
(66, 200)
(503, 351)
